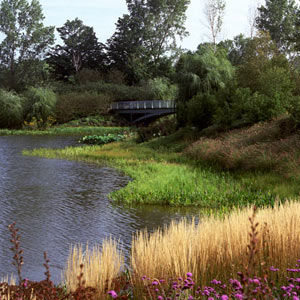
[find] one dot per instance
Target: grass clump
(217, 248)
(102, 139)
(101, 265)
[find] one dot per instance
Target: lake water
(58, 203)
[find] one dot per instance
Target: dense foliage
(11, 113)
(229, 84)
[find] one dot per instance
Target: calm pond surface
(58, 203)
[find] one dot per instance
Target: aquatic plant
(102, 139)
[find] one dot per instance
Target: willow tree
(202, 72)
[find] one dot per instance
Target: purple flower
(295, 298)
(293, 270)
(224, 297)
(113, 294)
(238, 296)
(154, 282)
(274, 269)
(215, 281)
(160, 297)
(189, 274)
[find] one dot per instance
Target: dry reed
(217, 248)
(100, 266)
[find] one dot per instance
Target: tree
(25, 41)
(214, 12)
(252, 16)
(236, 48)
(146, 35)
(81, 49)
(279, 17)
(265, 69)
(203, 72)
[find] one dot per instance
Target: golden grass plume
(217, 248)
(100, 265)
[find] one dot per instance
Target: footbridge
(145, 112)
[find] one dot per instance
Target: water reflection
(58, 203)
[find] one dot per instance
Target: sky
(103, 14)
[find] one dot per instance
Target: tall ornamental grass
(217, 248)
(100, 266)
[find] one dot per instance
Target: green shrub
(256, 107)
(162, 127)
(117, 92)
(274, 81)
(160, 88)
(102, 139)
(201, 109)
(294, 109)
(88, 75)
(39, 105)
(11, 112)
(76, 105)
(223, 115)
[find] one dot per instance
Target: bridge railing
(147, 104)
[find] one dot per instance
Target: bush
(88, 75)
(274, 81)
(161, 89)
(76, 105)
(159, 128)
(39, 105)
(201, 110)
(117, 92)
(102, 139)
(256, 107)
(294, 109)
(223, 115)
(11, 112)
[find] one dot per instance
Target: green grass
(270, 181)
(163, 177)
(86, 130)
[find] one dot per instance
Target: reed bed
(217, 248)
(99, 266)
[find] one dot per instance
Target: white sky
(103, 14)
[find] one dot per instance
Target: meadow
(235, 251)
(248, 254)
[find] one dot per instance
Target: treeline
(227, 84)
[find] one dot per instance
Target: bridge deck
(141, 105)
(144, 111)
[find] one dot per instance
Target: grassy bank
(266, 155)
(164, 177)
(84, 130)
